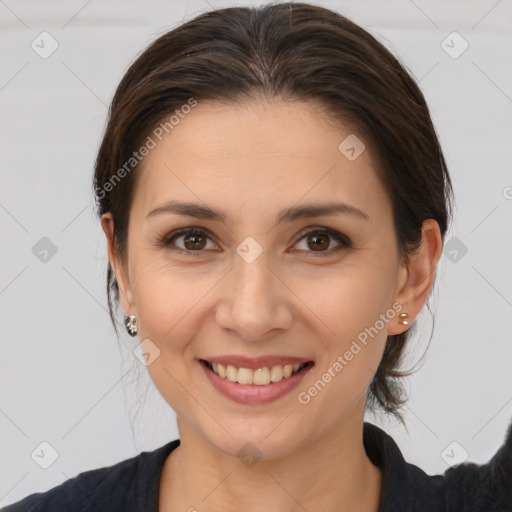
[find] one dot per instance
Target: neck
(329, 474)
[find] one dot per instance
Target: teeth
(231, 373)
(276, 373)
(245, 376)
(259, 377)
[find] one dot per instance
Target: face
(264, 276)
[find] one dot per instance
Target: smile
(259, 377)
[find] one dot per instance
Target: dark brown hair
(290, 52)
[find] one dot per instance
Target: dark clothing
(133, 484)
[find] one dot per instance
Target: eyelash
(167, 240)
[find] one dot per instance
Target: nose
(254, 303)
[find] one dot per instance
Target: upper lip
(255, 363)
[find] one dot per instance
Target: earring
(130, 323)
(403, 317)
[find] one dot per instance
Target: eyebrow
(200, 211)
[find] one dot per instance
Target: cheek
(350, 355)
(168, 296)
(170, 300)
(352, 312)
(348, 299)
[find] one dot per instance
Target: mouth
(263, 376)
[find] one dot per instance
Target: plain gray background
(63, 378)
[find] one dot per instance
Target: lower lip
(252, 394)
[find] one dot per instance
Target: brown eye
(194, 241)
(318, 241)
(188, 240)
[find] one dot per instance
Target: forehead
(256, 128)
(262, 153)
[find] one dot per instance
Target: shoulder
(467, 487)
(488, 486)
(130, 484)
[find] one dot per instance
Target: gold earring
(403, 317)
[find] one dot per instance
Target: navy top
(133, 484)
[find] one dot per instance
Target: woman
(274, 200)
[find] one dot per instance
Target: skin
(250, 161)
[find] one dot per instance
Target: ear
(416, 278)
(125, 293)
